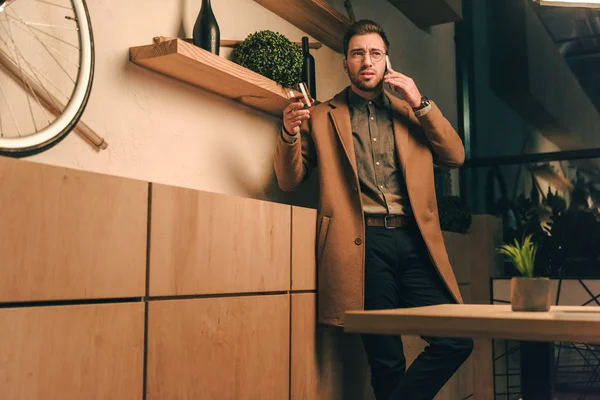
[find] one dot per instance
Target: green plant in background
(521, 255)
(455, 215)
(272, 55)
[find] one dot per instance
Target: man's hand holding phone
(402, 84)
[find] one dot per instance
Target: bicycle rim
(69, 116)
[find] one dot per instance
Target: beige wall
(165, 131)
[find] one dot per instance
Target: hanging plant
(272, 55)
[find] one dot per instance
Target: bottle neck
(305, 46)
(206, 4)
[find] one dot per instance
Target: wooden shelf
(430, 12)
(184, 61)
(315, 17)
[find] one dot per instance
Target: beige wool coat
(326, 141)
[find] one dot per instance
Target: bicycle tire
(54, 140)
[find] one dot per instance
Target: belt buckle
(385, 222)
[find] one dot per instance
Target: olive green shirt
(379, 173)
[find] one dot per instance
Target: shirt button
(380, 186)
(370, 102)
(377, 163)
(374, 139)
(358, 241)
(372, 118)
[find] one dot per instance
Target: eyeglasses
(359, 55)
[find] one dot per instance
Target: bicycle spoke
(55, 51)
(51, 26)
(36, 73)
(34, 70)
(27, 24)
(52, 36)
(10, 110)
(44, 112)
(49, 52)
(28, 30)
(55, 5)
(23, 82)
(24, 75)
(52, 104)
(35, 79)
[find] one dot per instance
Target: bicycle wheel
(46, 72)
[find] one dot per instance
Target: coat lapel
(340, 116)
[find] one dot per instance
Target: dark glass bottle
(206, 30)
(308, 68)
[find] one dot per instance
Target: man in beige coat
(379, 243)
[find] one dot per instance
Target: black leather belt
(388, 221)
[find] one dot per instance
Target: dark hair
(363, 27)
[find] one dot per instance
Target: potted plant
(527, 293)
(272, 55)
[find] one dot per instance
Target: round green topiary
(272, 55)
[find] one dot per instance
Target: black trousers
(399, 273)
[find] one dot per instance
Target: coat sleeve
(294, 162)
(446, 145)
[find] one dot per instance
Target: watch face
(424, 103)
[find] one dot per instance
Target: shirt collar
(360, 103)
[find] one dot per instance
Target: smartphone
(388, 64)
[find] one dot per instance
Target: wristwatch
(425, 102)
(424, 107)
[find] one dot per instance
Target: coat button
(358, 241)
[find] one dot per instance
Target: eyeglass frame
(383, 54)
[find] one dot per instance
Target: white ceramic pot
(530, 294)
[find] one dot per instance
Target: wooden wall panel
(326, 364)
(459, 255)
(92, 352)
(205, 243)
(226, 348)
(304, 269)
(483, 376)
(69, 234)
(484, 238)
(465, 292)
(316, 373)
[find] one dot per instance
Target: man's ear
(346, 65)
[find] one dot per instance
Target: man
(379, 243)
